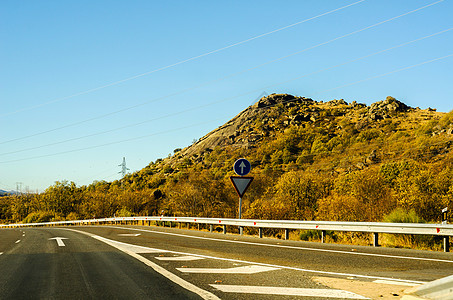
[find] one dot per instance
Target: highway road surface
(141, 262)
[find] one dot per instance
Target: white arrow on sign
(59, 241)
(242, 166)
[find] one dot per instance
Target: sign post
(446, 238)
(241, 183)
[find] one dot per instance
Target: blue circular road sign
(242, 167)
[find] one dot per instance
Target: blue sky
(86, 83)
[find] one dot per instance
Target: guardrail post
(286, 234)
(260, 232)
(240, 230)
(224, 229)
(210, 228)
(323, 236)
(446, 244)
(375, 239)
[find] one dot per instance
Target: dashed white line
(179, 281)
(237, 270)
(291, 247)
(178, 258)
(18, 241)
(59, 241)
(303, 292)
(124, 247)
(128, 247)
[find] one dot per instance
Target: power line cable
(232, 75)
(223, 100)
(183, 61)
(385, 74)
(110, 143)
(185, 127)
(356, 82)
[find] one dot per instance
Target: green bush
(39, 217)
(315, 235)
(411, 241)
(400, 215)
(124, 212)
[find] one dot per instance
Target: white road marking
(18, 241)
(178, 258)
(237, 270)
(59, 240)
(304, 292)
(178, 280)
(129, 234)
(121, 246)
(291, 247)
(1, 253)
(395, 282)
(129, 247)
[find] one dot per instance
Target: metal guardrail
(441, 289)
(442, 230)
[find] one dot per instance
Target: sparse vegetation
(310, 160)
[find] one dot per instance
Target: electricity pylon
(124, 169)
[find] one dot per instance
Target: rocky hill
(310, 160)
(276, 114)
(313, 160)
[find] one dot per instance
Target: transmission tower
(124, 169)
(19, 187)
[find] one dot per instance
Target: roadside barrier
(376, 228)
(441, 289)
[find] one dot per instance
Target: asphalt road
(38, 268)
(133, 262)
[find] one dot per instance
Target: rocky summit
(278, 112)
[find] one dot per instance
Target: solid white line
(128, 234)
(130, 247)
(179, 281)
(304, 292)
(120, 245)
(291, 247)
(237, 270)
(178, 258)
(395, 282)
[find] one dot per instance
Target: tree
(300, 191)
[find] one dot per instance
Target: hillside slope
(310, 160)
(299, 129)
